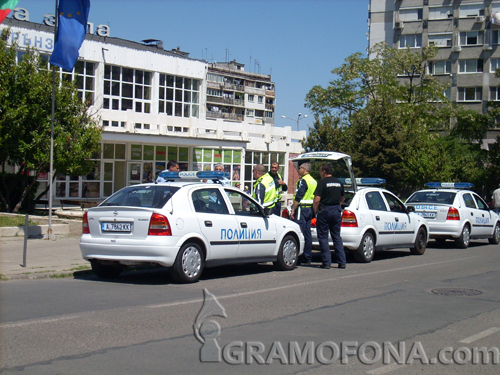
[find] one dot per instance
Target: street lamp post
(299, 117)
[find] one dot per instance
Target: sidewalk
(44, 258)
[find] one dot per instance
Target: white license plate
(427, 215)
(115, 227)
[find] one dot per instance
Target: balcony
(270, 93)
(228, 101)
(225, 116)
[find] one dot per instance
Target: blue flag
(72, 27)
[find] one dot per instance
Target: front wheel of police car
(189, 264)
(288, 254)
(496, 235)
(420, 242)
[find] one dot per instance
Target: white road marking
(25, 323)
(480, 335)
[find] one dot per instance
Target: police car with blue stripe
(185, 225)
(455, 212)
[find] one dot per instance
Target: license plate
(115, 227)
(427, 215)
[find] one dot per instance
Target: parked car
(185, 226)
(455, 212)
(373, 218)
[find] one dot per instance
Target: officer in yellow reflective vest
(264, 190)
(280, 185)
(302, 212)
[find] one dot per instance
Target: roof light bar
(191, 175)
(449, 185)
(366, 181)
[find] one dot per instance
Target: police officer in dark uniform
(328, 197)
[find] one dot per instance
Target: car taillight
(348, 219)
(159, 226)
(285, 214)
(453, 214)
(313, 222)
(85, 224)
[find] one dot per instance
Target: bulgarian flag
(5, 7)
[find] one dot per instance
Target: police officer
(328, 197)
(264, 190)
(172, 166)
(280, 185)
(302, 212)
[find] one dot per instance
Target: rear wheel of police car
(188, 264)
(288, 254)
(106, 271)
(420, 242)
(496, 235)
(366, 249)
(462, 242)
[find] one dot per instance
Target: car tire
(189, 263)
(366, 249)
(463, 241)
(106, 271)
(496, 235)
(420, 242)
(288, 254)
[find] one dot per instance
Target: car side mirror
(410, 208)
(267, 212)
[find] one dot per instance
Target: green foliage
(26, 120)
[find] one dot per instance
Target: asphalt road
(400, 314)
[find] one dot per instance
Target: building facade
(156, 105)
(466, 33)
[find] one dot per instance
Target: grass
(15, 221)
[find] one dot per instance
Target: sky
(298, 42)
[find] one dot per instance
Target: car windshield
(153, 196)
(442, 197)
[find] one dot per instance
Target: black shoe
(305, 263)
(342, 266)
(325, 266)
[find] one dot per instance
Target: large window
(261, 157)
(440, 40)
(471, 38)
(469, 94)
(179, 96)
(205, 159)
(494, 93)
(494, 65)
(470, 66)
(84, 76)
(412, 41)
(440, 67)
(495, 39)
(471, 10)
(126, 88)
(413, 14)
(439, 13)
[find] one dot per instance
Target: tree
(25, 122)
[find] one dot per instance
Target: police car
(185, 225)
(373, 218)
(455, 212)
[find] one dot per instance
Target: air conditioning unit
(479, 19)
(487, 47)
(398, 25)
(456, 49)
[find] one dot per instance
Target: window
(242, 205)
(471, 38)
(395, 204)
(410, 14)
(440, 67)
(180, 96)
(494, 37)
(494, 65)
(84, 77)
(440, 40)
(471, 10)
(469, 94)
(269, 114)
(469, 201)
(412, 41)
(250, 113)
(115, 124)
(210, 201)
(251, 98)
(213, 92)
(447, 93)
(470, 66)
(439, 13)
(215, 78)
(260, 99)
(494, 93)
(375, 201)
(126, 88)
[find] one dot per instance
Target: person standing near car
(302, 212)
(280, 185)
(328, 198)
(264, 190)
(496, 200)
(172, 166)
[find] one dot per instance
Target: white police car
(185, 226)
(455, 212)
(373, 218)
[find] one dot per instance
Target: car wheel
(420, 242)
(496, 235)
(366, 249)
(106, 271)
(188, 264)
(288, 254)
(462, 242)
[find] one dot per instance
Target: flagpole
(50, 235)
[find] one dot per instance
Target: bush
(11, 188)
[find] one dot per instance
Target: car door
(255, 232)
(401, 225)
(216, 224)
(472, 214)
(380, 216)
(484, 219)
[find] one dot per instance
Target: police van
(186, 226)
(455, 212)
